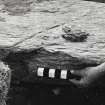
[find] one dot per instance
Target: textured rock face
(31, 35)
(5, 76)
(35, 25)
(41, 27)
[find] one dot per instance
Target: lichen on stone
(74, 35)
(5, 76)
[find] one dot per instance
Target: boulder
(5, 77)
(31, 35)
(38, 33)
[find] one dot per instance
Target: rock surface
(33, 25)
(35, 28)
(31, 35)
(5, 77)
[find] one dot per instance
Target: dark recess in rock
(24, 64)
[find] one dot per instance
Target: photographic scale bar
(54, 73)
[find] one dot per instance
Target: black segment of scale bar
(57, 73)
(46, 72)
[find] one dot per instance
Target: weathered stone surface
(34, 38)
(31, 31)
(31, 35)
(5, 77)
(41, 27)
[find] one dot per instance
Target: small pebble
(74, 35)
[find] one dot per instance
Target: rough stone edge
(5, 78)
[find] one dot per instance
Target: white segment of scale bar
(63, 74)
(40, 72)
(51, 73)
